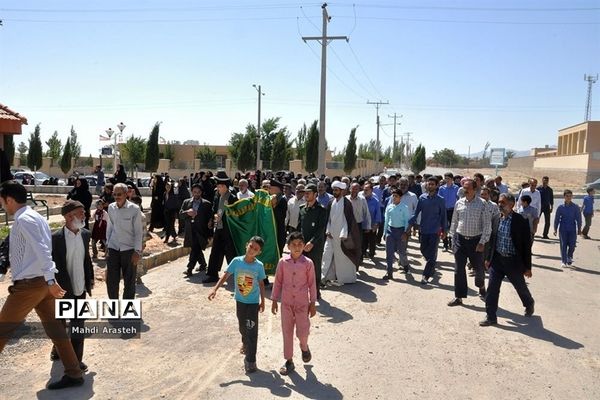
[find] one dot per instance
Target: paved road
(370, 340)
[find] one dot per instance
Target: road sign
(497, 157)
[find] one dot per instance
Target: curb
(164, 257)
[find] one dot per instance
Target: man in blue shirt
(370, 235)
(449, 192)
(432, 209)
(567, 221)
(588, 211)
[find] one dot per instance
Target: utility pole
(260, 94)
(395, 124)
(324, 40)
(407, 144)
(588, 107)
(377, 104)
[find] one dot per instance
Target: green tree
(246, 158)
(350, 153)
(22, 149)
(65, 160)
(446, 157)
(133, 152)
(75, 145)
(34, 158)
(207, 157)
(9, 148)
(152, 149)
(89, 162)
(311, 161)
(54, 147)
(418, 161)
(280, 157)
(169, 153)
(301, 142)
(270, 128)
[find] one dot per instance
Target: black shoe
(250, 367)
(388, 277)
(530, 310)
(455, 302)
(65, 382)
(406, 269)
(54, 355)
(487, 322)
(187, 273)
(201, 268)
(83, 366)
(287, 368)
(210, 279)
(306, 355)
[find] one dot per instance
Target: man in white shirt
(34, 285)
(124, 236)
(536, 197)
(244, 192)
(71, 255)
(410, 200)
(293, 209)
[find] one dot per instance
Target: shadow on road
(334, 314)
(311, 388)
(587, 271)
(86, 391)
(264, 379)
(534, 327)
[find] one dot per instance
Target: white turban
(339, 185)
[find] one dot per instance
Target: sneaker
(65, 382)
(424, 280)
(563, 265)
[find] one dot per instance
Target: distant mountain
(518, 153)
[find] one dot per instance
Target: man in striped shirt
(471, 228)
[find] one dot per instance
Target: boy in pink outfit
(296, 288)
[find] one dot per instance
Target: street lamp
(260, 93)
(110, 132)
(121, 127)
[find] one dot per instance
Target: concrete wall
(520, 162)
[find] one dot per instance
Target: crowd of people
(330, 226)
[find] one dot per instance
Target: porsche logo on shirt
(245, 283)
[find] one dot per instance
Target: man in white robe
(337, 267)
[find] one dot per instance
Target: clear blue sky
(460, 72)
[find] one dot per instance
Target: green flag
(250, 217)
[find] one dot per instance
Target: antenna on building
(588, 107)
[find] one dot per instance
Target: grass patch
(5, 230)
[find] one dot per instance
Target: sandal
(287, 368)
(306, 355)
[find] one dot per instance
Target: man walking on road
(34, 285)
(471, 228)
(509, 256)
(547, 204)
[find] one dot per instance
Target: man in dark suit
(222, 246)
(509, 255)
(196, 213)
(312, 222)
(71, 255)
